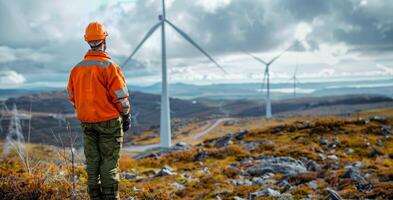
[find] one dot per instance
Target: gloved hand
(126, 122)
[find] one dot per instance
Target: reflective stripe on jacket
(97, 88)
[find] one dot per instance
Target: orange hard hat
(95, 31)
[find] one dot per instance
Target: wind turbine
(295, 80)
(165, 125)
(266, 77)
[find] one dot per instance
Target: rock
(247, 182)
(348, 151)
(354, 174)
(375, 152)
(285, 196)
(377, 119)
(258, 181)
(312, 184)
(335, 143)
(165, 171)
(333, 195)
(303, 125)
(313, 166)
(181, 144)
(324, 142)
(250, 146)
(284, 165)
(160, 151)
(238, 198)
(275, 130)
(223, 141)
(130, 198)
(284, 185)
(379, 143)
(323, 157)
(329, 165)
(386, 130)
(332, 157)
(128, 176)
(178, 186)
(267, 175)
(202, 155)
(137, 189)
(240, 135)
(265, 193)
(247, 161)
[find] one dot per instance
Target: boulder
(313, 166)
(324, 142)
(250, 145)
(178, 186)
(285, 196)
(202, 155)
(265, 193)
(335, 143)
(165, 171)
(333, 157)
(375, 152)
(160, 151)
(276, 130)
(240, 135)
(128, 176)
(312, 184)
(283, 165)
(223, 141)
(386, 130)
(354, 174)
(333, 195)
(284, 185)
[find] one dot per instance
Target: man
(98, 91)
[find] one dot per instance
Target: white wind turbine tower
(165, 125)
(266, 77)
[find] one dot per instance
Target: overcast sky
(41, 40)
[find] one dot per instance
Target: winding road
(140, 148)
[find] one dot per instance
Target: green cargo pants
(102, 146)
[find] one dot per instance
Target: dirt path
(140, 148)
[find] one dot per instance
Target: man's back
(96, 85)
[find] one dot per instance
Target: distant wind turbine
(266, 77)
(165, 125)
(295, 80)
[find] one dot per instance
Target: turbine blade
(188, 38)
(256, 58)
(279, 55)
(148, 34)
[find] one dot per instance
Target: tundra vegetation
(336, 157)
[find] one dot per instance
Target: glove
(126, 122)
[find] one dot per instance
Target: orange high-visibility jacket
(97, 89)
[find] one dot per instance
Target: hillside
(51, 110)
(314, 158)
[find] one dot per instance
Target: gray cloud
(52, 31)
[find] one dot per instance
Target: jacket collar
(92, 53)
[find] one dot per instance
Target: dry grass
(214, 175)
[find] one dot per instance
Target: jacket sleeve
(118, 90)
(70, 90)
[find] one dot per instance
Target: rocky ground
(319, 158)
(327, 158)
